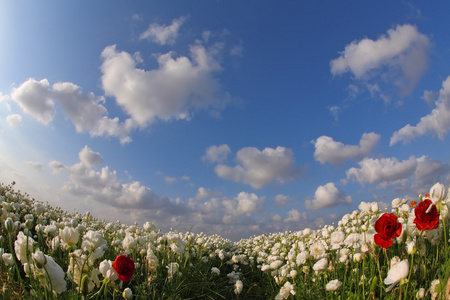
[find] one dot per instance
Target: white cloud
(83, 109)
(57, 167)
(104, 187)
(382, 170)
(327, 195)
(259, 168)
(163, 34)
(14, 120)
(282, 200)
(211, 209)
(87, 113)
(404, 51)
(217, 154)
(437, 122)
(178, 88)
(429, 171)
(294, 216)
(336, 153)
(34, 97)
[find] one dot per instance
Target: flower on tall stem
(387, 228)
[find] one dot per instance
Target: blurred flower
(238, 286)
(426, 218)
(8, 259)
(387, 228)
(124, 267)
(320, 265)
(397, 272)
(333, 285)
(286, 290)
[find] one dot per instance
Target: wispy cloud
(162, 34)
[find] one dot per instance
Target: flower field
(48, 253)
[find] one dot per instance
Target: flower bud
(9, 225)
(127, 294)
(84, 285)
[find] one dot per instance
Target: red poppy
(387, 228)
(426, 220)
(124, 267)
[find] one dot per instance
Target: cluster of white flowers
(282, 256)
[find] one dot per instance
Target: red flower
(424, 220)
(387, 228)
(124, 267)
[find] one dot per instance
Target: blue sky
(230, 117)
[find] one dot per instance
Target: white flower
(285, 291)
(302, 257)
(336, 239)
(56, 275)
(238, 286)
(23, 247)
(172, 269)
(107, 270)
(437, 193)
(39, 258)
(397, 272)
(333, 285)
(127, 294)
(8, 259)
(215, 271)
(320, 265)
(69, 235)
(317, 250)
(420, 293)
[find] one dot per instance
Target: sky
(236, 118)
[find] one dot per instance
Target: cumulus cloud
(14, 120)
(336, 153)
(210, 208)
(294, 216)
(327, 195)
(374, 170)
(282, 200)
(83, 109)
(87, 113)
(217, 154)
(161, 34)
(57, 167)
(34, 97)
(89, 179)
(404, 52)
(259, 168)
(437, 122)
(175, 90)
